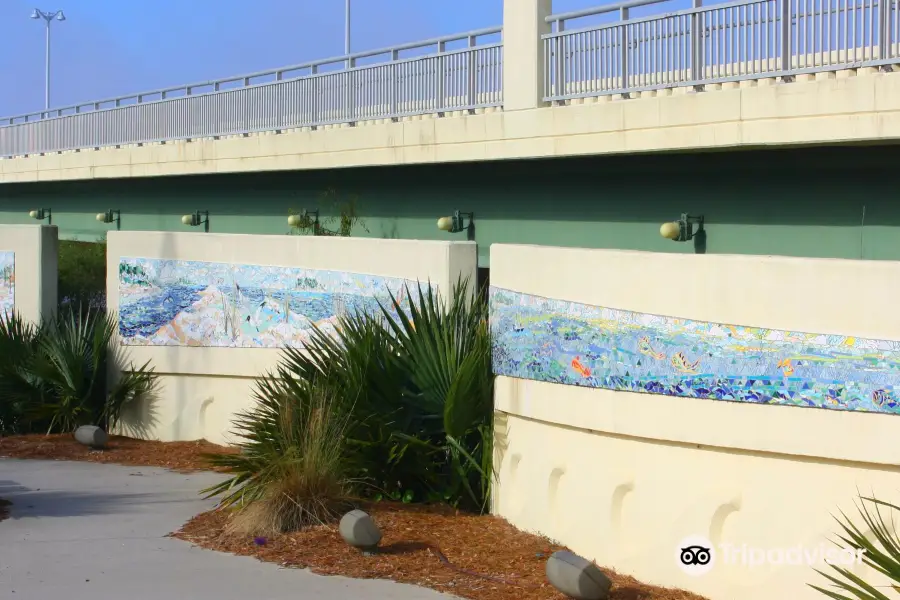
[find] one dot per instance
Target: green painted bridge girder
(825, 202)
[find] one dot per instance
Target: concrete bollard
(360, 531)
(92, 436)
(577, 577)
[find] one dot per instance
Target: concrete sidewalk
(84, 531)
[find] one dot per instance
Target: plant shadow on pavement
(35, 503)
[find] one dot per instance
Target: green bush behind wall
(82, 273)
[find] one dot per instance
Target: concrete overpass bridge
(586, 129)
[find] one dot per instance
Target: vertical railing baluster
(697, 42)
(623, 45)
(560, 58)
(786, 35)
(440, 68)
(472, 68)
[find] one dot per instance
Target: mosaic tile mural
(7, 283)
(576, 344)
(188, 303)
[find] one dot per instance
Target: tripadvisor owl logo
(695, 555)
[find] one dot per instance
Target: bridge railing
(379, 84)
(746, 39)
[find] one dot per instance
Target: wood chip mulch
(183, 457)
(511, 562)
(488, 558)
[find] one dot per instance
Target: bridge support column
(523, 52)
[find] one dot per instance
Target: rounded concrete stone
(577, 577)
(359, 530)
(92, 436)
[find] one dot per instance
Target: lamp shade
(670, 231)
(101, 217)
(295, 220)
(188, 219)
(34, 214)
(445, 224)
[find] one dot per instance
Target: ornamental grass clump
(291, 471)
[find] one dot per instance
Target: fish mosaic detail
(7, 283)
(188, 303)
(576, 344)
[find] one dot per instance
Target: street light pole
(347, 27)
(347, 32)
(48, 17)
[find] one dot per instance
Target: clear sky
(107, 48)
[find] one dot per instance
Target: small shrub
(291, 472)
(82, 274)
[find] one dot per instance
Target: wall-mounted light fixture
(456, 223)
(682, 230)
(42, 213)
(305, 219)
(111, 216)
(201, 217)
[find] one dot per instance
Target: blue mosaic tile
(7, 283)
(190, 303)
(576, 344)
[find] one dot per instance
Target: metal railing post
(313, 71)
(884, 29)
(559, 57)
(395, 83)
(350, 101)
(624, 43)
(785, 36)
(472, 96)
(439, 92)
(697, 43)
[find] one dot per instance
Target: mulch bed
(183, 457)
(503, 563)
(414, 539)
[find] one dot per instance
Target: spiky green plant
(881, 553)
(416, 384)
(446, 350)
(20, 392)
(60, 376)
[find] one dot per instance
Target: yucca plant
(881, 553)
(291, 471)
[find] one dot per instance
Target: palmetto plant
(20, 392)
(882, 553)
(57, 373)
(446, 352)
